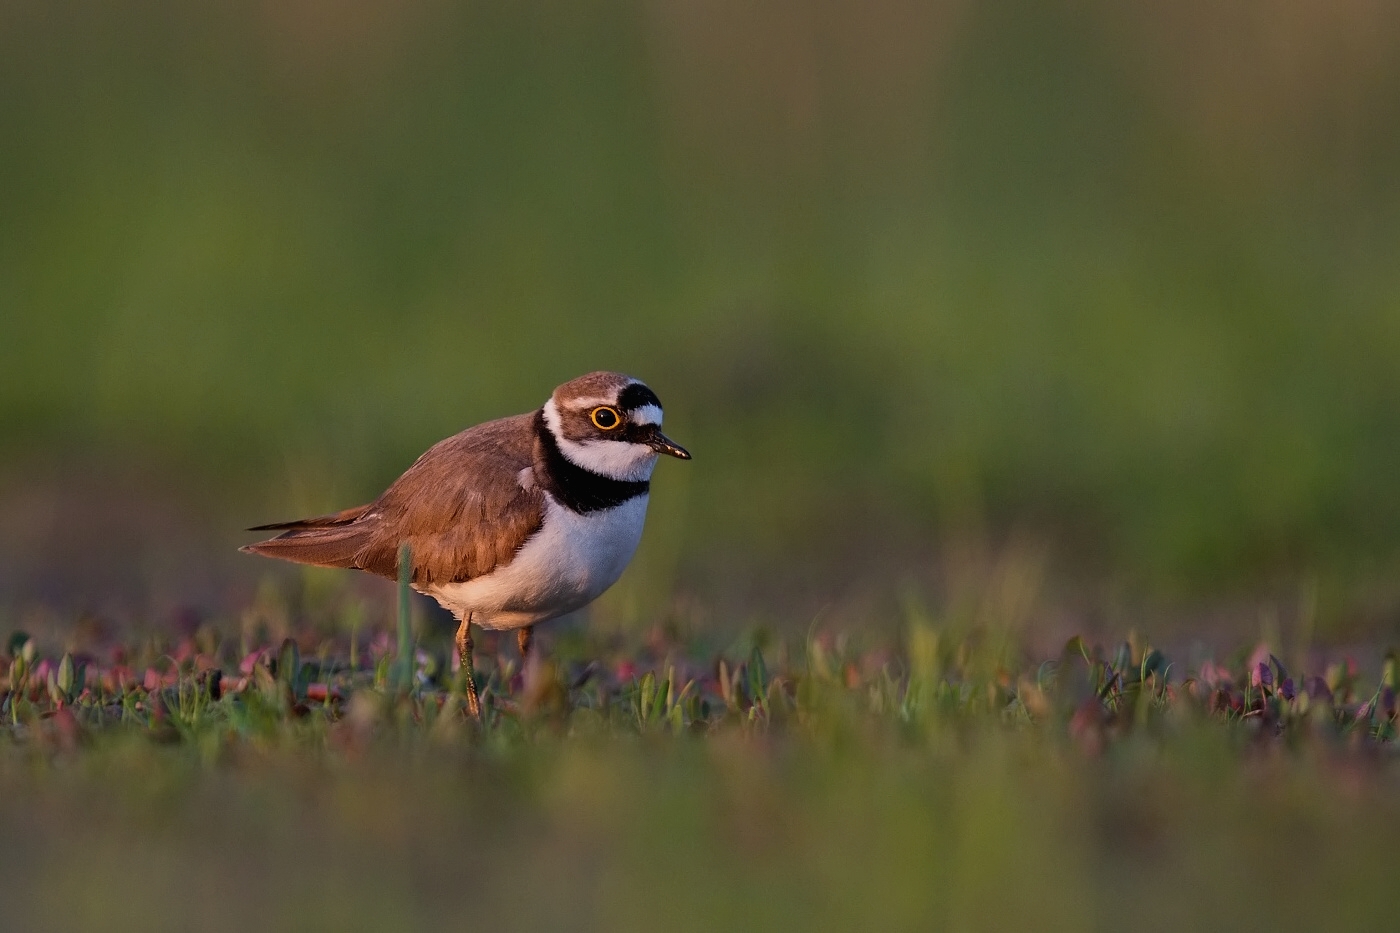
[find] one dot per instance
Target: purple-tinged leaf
(1260, 655)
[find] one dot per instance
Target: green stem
(403, 670)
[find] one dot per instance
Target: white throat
(614, 459)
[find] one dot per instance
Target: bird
(509, 523)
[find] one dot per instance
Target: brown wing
(461, 508)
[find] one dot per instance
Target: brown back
(461, 507)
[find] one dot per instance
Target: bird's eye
(605, 418)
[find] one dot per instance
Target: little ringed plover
(512, 522)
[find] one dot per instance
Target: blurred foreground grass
(943, 780)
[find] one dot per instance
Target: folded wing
(464, 508)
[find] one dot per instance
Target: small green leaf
(65, 676)
(289, 665)
(267, 685)
(645, 695)
(19, 675)
(758, 677)
(658, 705)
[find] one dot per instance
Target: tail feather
(322, 546)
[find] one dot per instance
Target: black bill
(664, 445)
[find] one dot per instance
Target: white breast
(566, 565)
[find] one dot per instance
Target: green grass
(945, 779)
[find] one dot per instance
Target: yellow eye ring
(605, 418)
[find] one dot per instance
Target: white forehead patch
(613, 459)
(588, 402)
(647, 414)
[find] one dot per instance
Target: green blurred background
(1105, 292)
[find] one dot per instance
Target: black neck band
(579, 489)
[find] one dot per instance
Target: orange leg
(464, 652)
